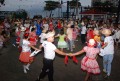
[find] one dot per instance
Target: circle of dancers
(96, 37)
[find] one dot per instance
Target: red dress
(51, 26)
(90, 34)
(33, 38)
(25, 54)
(89, 62)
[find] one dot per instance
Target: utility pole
(77, 9)
(67, 10)
(118, 12)
(61, 8)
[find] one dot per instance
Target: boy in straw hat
(49, 55)
(108, 52)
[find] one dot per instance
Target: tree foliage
(106, 6)
(2, 1)
(20, 14)
(51, 5)
(73, 4)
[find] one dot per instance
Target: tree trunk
(50, 14)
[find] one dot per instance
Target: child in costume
(108, 48)
(62, 43)
(42, 36)
(89, 62)
(49, 55)
(33, 37)
(97, 38)
(25, 54)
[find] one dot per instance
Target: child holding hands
(89, 62)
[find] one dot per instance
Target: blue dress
(38, 29)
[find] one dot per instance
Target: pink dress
(74, 34)
(89, 62)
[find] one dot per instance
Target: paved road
(11, 69)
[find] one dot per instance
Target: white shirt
(27, 25)
(42, 37)
(109, 49)
(49, 50)
(7, 25)
(1, 43)
(117, 35)
(69, 33)
(83, 30)
(25, 46)
(46, 26)
(32, 27)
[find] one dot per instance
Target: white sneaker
(104, 70)
(14, 45)
(25, 71)
(27, 68)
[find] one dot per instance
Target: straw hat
(106, 32)
(50, 34)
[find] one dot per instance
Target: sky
(34, 7)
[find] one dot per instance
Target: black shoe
(37, 80)
(4, 46)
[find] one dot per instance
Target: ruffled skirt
(25, 57)
(90, 65)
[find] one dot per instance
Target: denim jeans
(70, 44)
(107, 60)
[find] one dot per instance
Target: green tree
(51, 5)
(2, 1)
(73, 4)
(20, 14)
(106, 6)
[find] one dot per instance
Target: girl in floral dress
(89, 62)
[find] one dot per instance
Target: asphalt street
(11, 69)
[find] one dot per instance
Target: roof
(93, 11)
